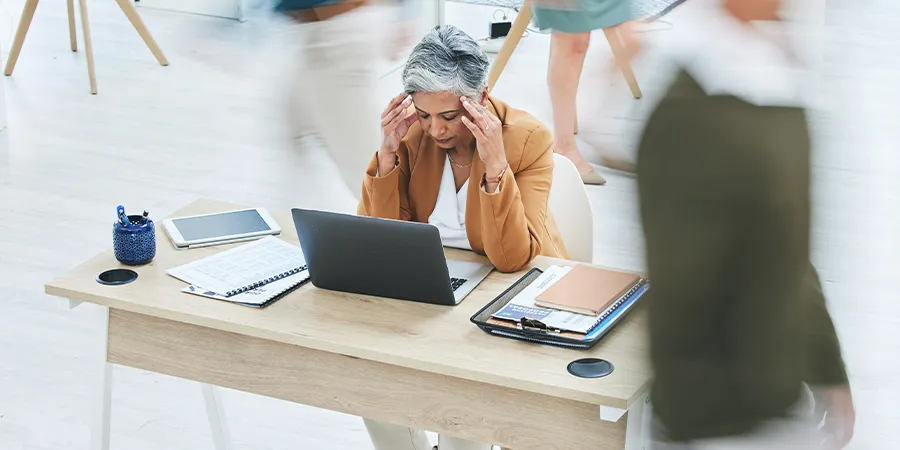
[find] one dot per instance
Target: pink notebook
(587, 290)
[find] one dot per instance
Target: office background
(212, 125)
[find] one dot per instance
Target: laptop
(383, 258)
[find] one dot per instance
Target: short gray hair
(447, 59)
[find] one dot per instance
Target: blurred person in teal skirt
(571, 22)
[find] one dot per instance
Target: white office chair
(571, 209)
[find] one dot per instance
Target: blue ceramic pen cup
(134, 244)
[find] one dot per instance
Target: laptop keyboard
(455, 283)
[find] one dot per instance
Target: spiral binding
(537, 340)
(283, 293)
(265, 281)
(624, 298)
(615, 305)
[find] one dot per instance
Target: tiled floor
(211, 125)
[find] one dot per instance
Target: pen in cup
(123, 218)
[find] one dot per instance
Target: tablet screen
(220, 225)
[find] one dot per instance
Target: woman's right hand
(395, 122)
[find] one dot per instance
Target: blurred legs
(567, 53)
(336, 94)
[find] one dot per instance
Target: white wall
(231, 9)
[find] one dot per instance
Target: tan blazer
(511, 226)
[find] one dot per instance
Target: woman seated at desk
(464, 161)
(454, 157)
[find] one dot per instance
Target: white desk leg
(216, 412)
(103, 386)
(242, 10)
(637, 433)
(103, 391)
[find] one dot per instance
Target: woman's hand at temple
(488, 131)
(395, 122)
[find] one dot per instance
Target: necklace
(460, 166)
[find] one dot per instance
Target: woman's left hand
(488, 133)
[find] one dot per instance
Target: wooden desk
(408, 363)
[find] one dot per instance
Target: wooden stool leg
(73, 42)
(512, 40)
(615, 43)
(24, 23)
(135, 18)
(88, 48)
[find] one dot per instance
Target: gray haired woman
(459, 159)
(465, 162)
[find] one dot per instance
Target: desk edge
(302, 341)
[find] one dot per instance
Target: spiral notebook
(260, 297)
(587, 290)
(497, 318)
(243, 268)
(583, 282)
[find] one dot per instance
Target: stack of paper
(523, 306)
(254, 274)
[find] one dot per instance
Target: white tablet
(220, 228)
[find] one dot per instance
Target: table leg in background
(216, 412)
(440, 17)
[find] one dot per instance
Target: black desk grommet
(117, 277)
(590, 368)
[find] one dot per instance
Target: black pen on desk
(528, 324)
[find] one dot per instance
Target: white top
(756, 62)
(449, 215)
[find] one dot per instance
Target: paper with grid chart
(243, 268)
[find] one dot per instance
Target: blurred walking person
(572, 22)
(742, 345)
(337, 79)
